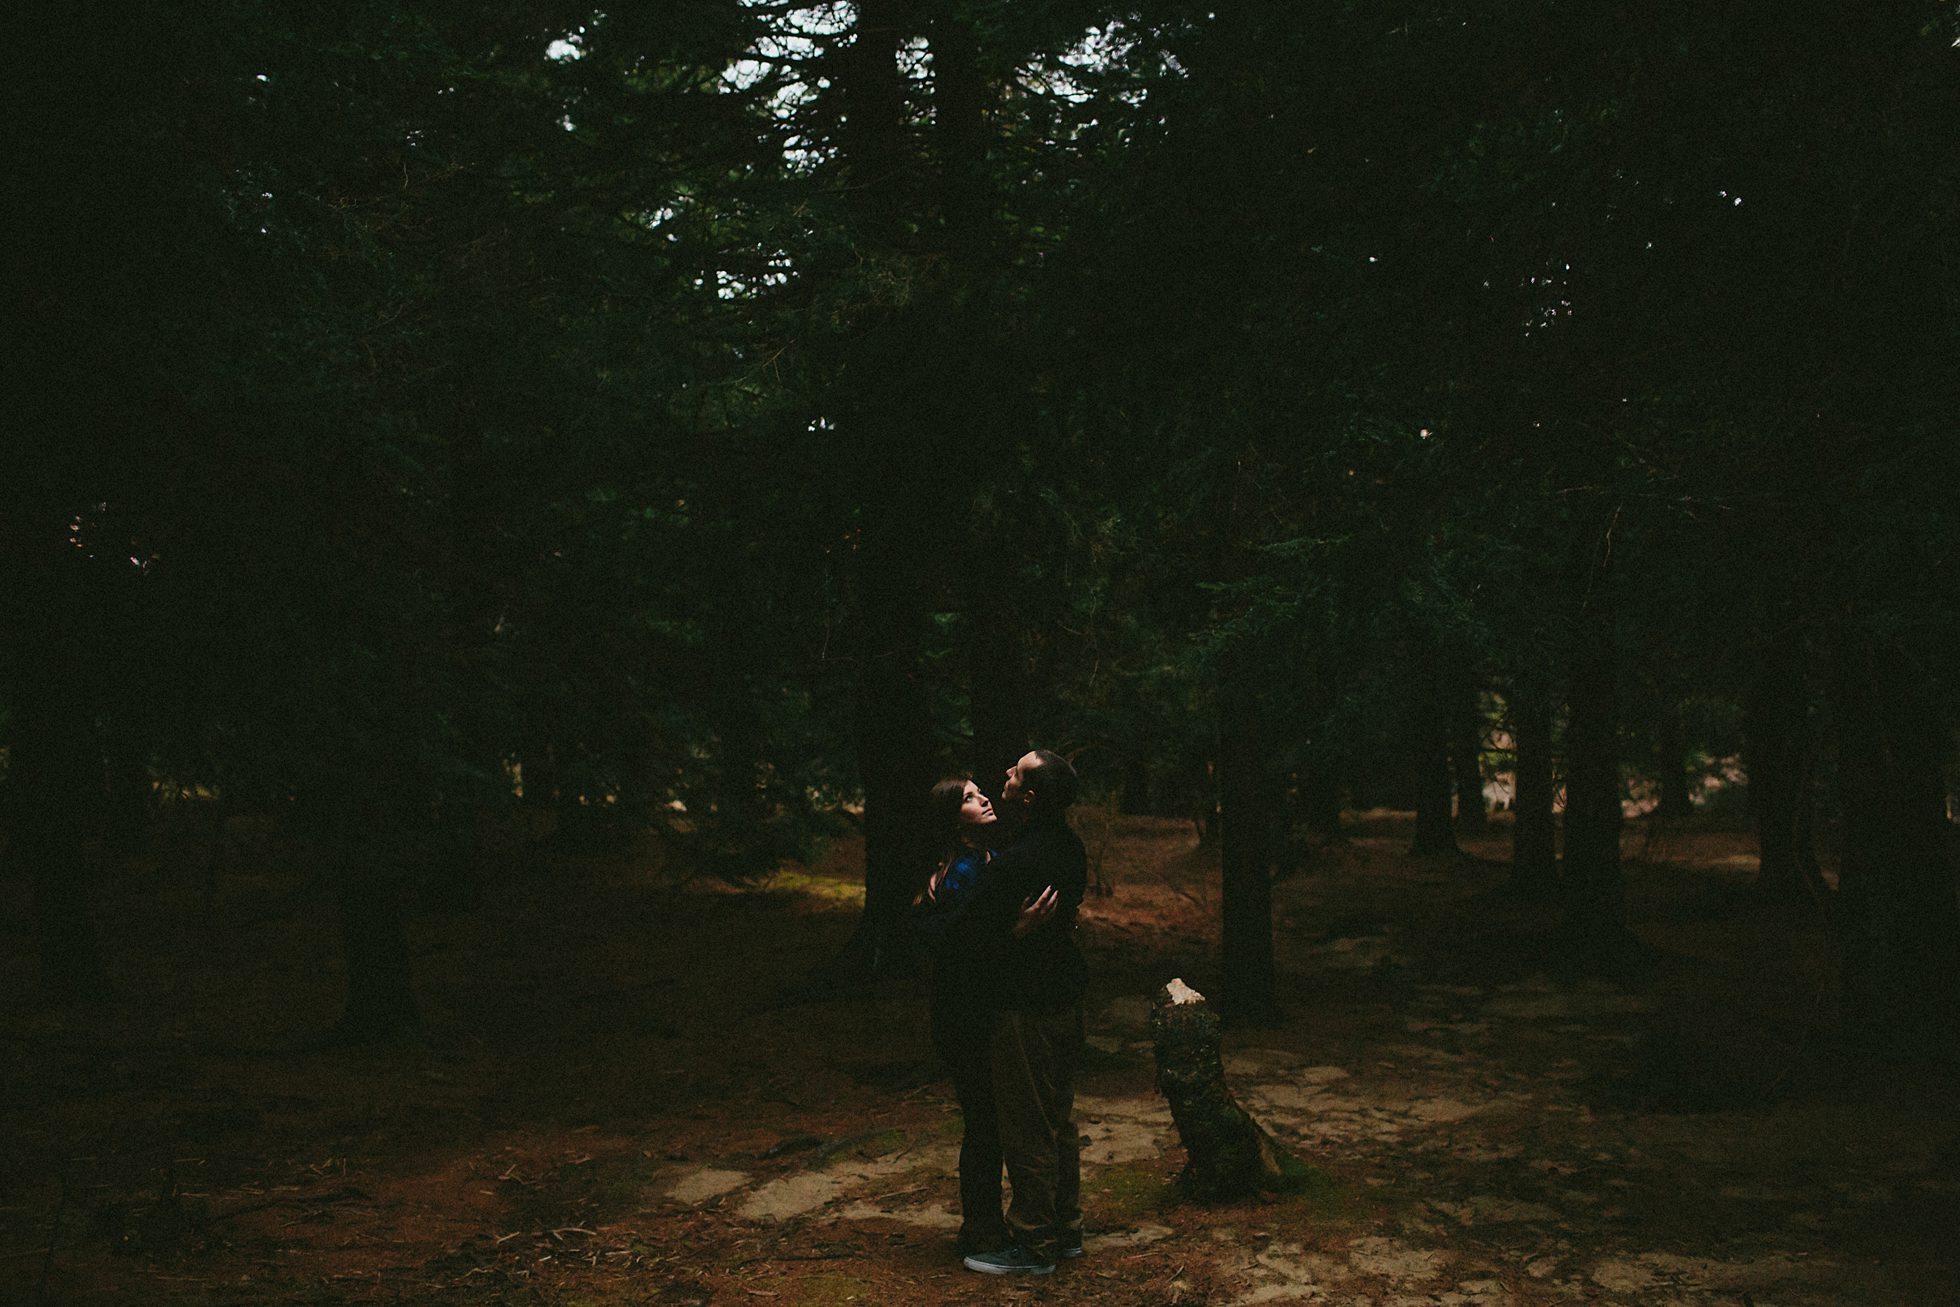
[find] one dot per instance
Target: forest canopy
(724, 418)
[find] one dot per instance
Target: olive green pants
(1034, 1093)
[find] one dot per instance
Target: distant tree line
(716, 416)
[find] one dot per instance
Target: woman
(962, 1016)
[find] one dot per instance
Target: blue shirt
(951, 939)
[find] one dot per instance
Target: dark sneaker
(1070, 1247)
(1012, 1260)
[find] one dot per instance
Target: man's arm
(1054, 877)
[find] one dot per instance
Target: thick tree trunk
(374, 945)
(893, 729)
(960, 97)
(1675, 804)
(1466, 760)
(999, 695)
(1594, 881)
(1899, 926)
(55, 775)
(1429, 763)
(738, 845)
(55, 778)
(1320, 799)
(130, 794)
(367, 807)
(217, 846)
(1247, 795)
(1227, 1154)
(1534, 836)
(969, 400)
(895, 763)
(1776, 741)
(540, 775)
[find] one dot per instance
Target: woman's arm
(950, 895)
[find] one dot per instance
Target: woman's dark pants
(963, 1044)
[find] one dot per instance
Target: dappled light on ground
(627, 1095)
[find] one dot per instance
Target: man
(1038, 979)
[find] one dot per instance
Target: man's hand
(1035, 911)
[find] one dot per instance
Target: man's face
(1015, 793)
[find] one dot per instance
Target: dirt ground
(623, 1097)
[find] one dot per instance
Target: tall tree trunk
(55, 779)
(1534, 837)
(1594, 881)
(217, 846)
(997, 675)
(540, 775)
(737, 843)
(1899, 926)
(1320, 767)
(1247, 793)
(998, 679)
(894, 729)
(1320, 798)
(54, 772)
(960, 96)
(1429, 765)
(374, 944)
(366, 820)
(128, 798)
(1776, 743)
(896, 767)
(1675, 804)
(1466, 759)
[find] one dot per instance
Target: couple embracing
(1007, 986)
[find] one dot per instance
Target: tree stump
(1228, 1154)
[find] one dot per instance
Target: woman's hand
(1036, 911)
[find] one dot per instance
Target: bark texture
(1675, 801)
(1228, 1155)
(1776, 748)
(1320, 799)
(894, 742)
(369, 884)
(1246, 809)
(1898, 924)
(1595, 882)
(1466, 759)
(1429, 762)
(380, 989)
(55, 789)
(55, 775)
(1534, 836)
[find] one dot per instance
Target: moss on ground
(1322, 1198)
(1124, 1194)
(875, 1143)
(827, 888)
(826, 1289)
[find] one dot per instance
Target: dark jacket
(958, 952)
(1043, 968)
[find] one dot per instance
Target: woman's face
(976, 809)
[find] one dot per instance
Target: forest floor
(624, 1096)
